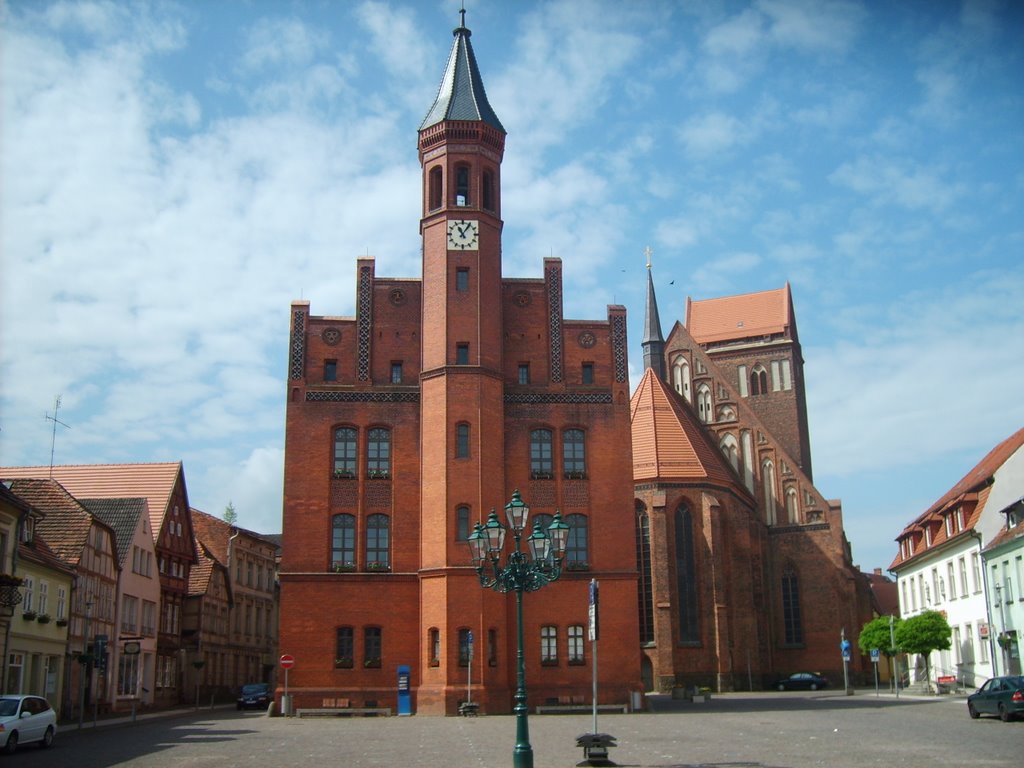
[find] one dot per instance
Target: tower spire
(653, 343)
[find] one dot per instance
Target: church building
(745, 570)
(409, 422)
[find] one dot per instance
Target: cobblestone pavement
(763, 730)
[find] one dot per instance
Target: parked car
(1003, 696)
(24, 719)
(254, 696)
(801, 681)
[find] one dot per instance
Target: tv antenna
(56, 421)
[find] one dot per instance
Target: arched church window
(488, 190)
(768, 478)
(792, 506)
(759, 380)
(681, 378)
(434, 185)
(731, 450)
(644, 587)
(793, 631)
(704, 404)
(462, 185)
(686, 576)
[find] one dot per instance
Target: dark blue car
(254, 696)
(1003, 696)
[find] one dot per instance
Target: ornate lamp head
(558, 531)
(539, 544)
(494, 532)
(517, 512)
(477, 545)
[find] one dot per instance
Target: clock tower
(462, 460)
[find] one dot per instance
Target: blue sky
(175, 174)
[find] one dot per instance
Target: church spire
(653, 344)
(462, 95)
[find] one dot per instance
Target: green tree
(875, 634)
(230, 516)
(924, 633)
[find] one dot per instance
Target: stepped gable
(155, 482)
(746, 316)
(669, 443)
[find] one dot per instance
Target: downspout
(231, 591)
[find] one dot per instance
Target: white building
(941, 565)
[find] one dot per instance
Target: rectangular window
(462, 353)
(378, 453)
(776, 376)
(549, 645)
(540, 453)
(27, 594)
(373, 643)
(574, 453)
(462, 279)
(44, 597)
(343, 648)
(129, 614)
(587, 376)
(575, 651)
(330, 370)
(62, 602)
(787, 375)
(963, 575)
(794, 633)
(524, 373)
(462, 441)
(741, 373)
(396, 372)
(462, 523)
(969, 648)
(148, 618)
(951, 579)
(435, 647)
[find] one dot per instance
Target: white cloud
(887, 181)
(712, 133)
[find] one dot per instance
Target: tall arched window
(343, 542)
(644, 586)
(435, 186)
(730, 448)
(793, 630)
(758, 380)
(686, 577)
(462, 440)
(345, 445)
(461, 523)
(488, 190)
(681, 377)
(574, 459)
(378, 554)
(792, 506)
(768, 479)
(704, 404)
(378, 453)
(462, 185)
(747, 447)
(576, 547)
(540, 453)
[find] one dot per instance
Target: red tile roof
(749, 315)
(669, 443)
(65, 523)
(154, 482)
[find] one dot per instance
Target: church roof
(749, 315)
(461, 95)
(153, 482)
(669, 443)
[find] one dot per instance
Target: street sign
(875, 653)
(287, 661)
(132, 648)
(592, 611)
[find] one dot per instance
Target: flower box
(344, 474)
(62, 622)
(577, 565)
(378, 567)
(540, 475)
(29, 615)
(575, 475)
(43, 618)
(377, 474)
(343, 567)
(343, 663)
(371, 664)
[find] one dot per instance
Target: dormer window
(949, 525)
(28, 531)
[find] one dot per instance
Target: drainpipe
(231, 540)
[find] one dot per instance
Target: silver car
(24, 719)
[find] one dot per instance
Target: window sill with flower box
(378, 567)
(345, 663)
(29, 615)
(343, 567)
(371, 664)
(577, 565)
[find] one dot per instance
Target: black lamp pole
(520, 574)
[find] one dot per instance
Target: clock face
(463, 235)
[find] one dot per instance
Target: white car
(25, 719)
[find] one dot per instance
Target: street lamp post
(522, 572)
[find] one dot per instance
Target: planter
(43, 618)
(29, 615)
(62, 622)
(343, 567)
(371, 664)
(345, 663)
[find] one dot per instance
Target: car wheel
(814, 686)
(47, 739)
(1004, 714)
(781, 687)
(12, 743)
(975, 714)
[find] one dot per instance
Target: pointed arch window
(574, 453)
(681, 377)
(345, 445)
(461, 185)
(768, 478)
(792, 506)
(435, 185)
(793, 630)
(378, 553)
(378, 453)
(704, 404)
(343, 542)
(540, 453)
(758, 380)
(730, 448)
(644, 588)
(686, 576)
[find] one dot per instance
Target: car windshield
(8, 707)
(254, 688)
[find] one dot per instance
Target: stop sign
(287, 661)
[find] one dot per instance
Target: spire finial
(462, 15)
(648, 253)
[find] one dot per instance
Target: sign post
(287, 661)
(874, 660)
(592, 632)
(844, 646)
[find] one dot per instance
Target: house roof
(65, 523)
(123, 516)
(732, 318)
(214, 533)
(199, 575)
(154, 482)
(461, 95)
(669, 443)
(40, 552)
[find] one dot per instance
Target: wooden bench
(342, 711)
